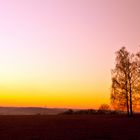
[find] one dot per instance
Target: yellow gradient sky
(59, 53)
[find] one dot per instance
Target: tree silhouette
(124, 93)
(104, 108)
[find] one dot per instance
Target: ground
(69, 127)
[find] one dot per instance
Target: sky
(59, 53)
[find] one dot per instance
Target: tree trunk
(127, 104)
(130, 100)
(127, 99)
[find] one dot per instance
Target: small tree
(104, 108)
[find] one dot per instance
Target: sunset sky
(59, 53)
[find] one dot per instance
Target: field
(69, 127)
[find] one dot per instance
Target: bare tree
(137, 83)
(125, 81)
(104, 107)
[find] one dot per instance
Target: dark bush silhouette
(68, 112)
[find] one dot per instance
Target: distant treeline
(91, 112)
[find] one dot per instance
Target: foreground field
(69, 127)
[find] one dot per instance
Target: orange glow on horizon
(42, 98)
